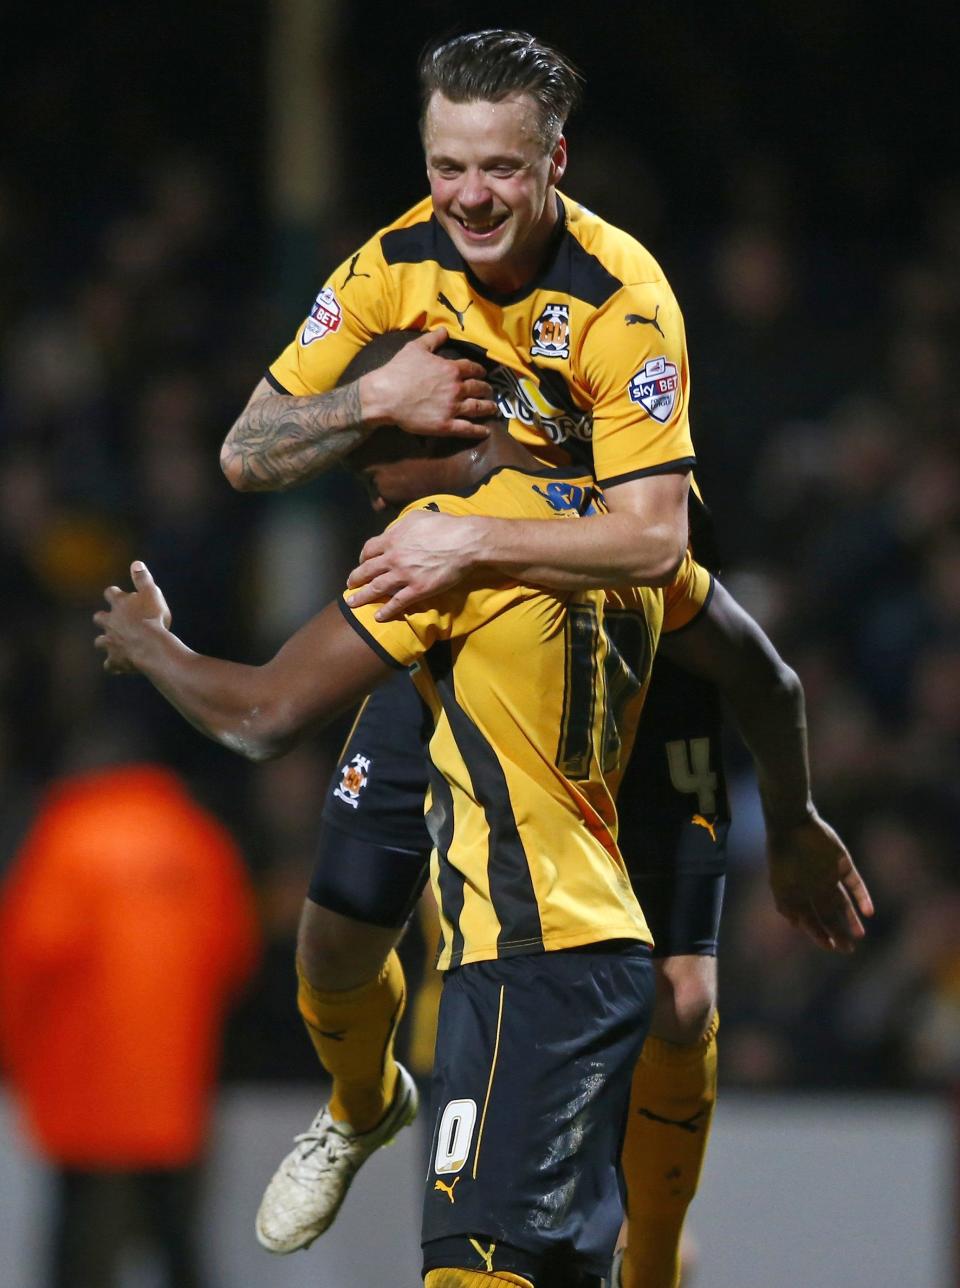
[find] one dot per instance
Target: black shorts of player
(374, 848)
(531, 1085)
(674, 815)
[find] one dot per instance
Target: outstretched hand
(127, 623)
(816, 885)
(427, 394)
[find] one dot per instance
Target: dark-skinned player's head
(396, 467)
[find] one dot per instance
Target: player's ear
(558, 161)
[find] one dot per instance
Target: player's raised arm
(640, 541)
(279, 440)
(815, 883)
(257, 711)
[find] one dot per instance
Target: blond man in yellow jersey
(569, 328)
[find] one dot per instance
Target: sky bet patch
(655, 388)
(325, 317)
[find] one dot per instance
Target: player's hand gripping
(426, 394)
(420, 556)
(816, 885)
(129, 621)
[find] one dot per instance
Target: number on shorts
(690, 771)
(455, 1136)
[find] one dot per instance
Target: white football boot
(308, 1187)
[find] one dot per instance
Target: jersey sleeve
(351, 308)
(450, 616)
(397, 643)
(687, 595)
(634, 361)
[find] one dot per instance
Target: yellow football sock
(472, 1279)
(671, 1106)
(353, 1033)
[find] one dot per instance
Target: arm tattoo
(280, 441)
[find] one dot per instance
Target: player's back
(525, 688)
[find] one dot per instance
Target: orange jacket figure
(127, 926)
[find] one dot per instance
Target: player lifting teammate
(549, 983)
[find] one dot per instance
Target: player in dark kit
(548, 985)
(569, 328)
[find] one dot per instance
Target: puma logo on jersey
(442, 299)
(447, 1189)
(691, 1124)
(700, 821)
(632, 319)
(353, 271)
(485, 1256)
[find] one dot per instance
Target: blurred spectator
(127, 929)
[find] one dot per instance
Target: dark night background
(796, 173)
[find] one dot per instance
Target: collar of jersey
(510, 297)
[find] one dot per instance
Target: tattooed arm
(279, 440)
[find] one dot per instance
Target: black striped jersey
(534, 695)
(588, 361)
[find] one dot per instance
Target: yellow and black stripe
(533, 706)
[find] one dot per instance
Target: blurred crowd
(825, 416)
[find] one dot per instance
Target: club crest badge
(655, 388)
(325, 317)
(353, 779)
(551, 333)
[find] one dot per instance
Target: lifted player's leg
(373, 1097)
(370, 871)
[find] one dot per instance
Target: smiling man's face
(493, 184)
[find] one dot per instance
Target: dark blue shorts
(378, 790)
(374, 850)
(531, 1086)
(673, 811)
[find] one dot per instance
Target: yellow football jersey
(588, 361)
(535, 696)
